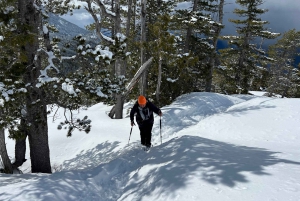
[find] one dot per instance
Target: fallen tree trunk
(118, 108)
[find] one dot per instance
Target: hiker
(144, 117)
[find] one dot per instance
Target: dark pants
(145, 132)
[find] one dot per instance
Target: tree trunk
(35, 101)
(119, 105)
(38, 135)
(143, 82)
(119, 65)
(113, 31)
(245, 69)
(3, 153)
(20, 151)
(128, 25)
(212, 60)
(129, 14)
(117, 29)
(189, 30)
(157, 93)
(134, 14)
(287, 85)
(137, 76)
(20, 148)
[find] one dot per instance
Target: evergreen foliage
(164, 49)
(284, 77)
(30, 68)
(197, 29)
(249, 27)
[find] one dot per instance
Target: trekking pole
(130, 134)
(160, 129)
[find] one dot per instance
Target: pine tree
(216, 31)
(250, 27)
(139, 42)
(283, 72)
(109, 15)
(31, 78)
(11, 70)
(198, 30)
(167, 76)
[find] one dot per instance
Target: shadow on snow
(130, 173)
(170, 167)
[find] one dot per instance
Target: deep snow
(215, 147)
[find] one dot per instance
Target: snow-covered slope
(215, 147)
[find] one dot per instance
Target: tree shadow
(170, 167)
(92, 158)
(238, 111)
(131, 174)
(72, 182)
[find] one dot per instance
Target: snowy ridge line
(193, 109)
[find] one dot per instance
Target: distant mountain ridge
(66, 32)
(66, 28)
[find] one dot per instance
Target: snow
(172, 80)
(8, 10)
(45, 29)
(69, 88)
(108, 38)
(214, 147)
(104, 53)
(100, 93)
(44, 78)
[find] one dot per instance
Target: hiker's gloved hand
(160, 113)
(132, 123)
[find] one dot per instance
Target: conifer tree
(216, 31)
(31, 78)
(169, 66)
(283, 72)
(108, 14)
(11, 71)
(198, 30)
(250, 27)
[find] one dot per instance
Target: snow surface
(214, 148)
